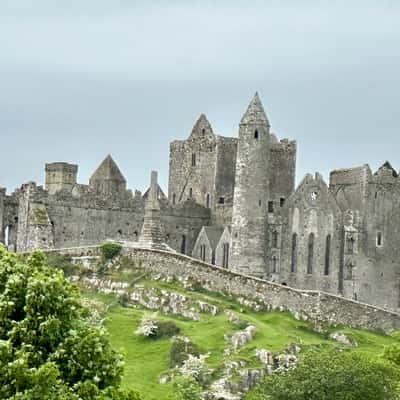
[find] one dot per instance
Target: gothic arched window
(225, 255)
(350, 244)
(275, 239)
(183, 244)
(327, 255)
(310, 258)
(274, 264)
(293, 264)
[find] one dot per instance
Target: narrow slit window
(379, 239)
(193, 159)
(270, 206)
(256, 134)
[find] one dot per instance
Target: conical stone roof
(108, 171)
(255, 113)
(202, 128)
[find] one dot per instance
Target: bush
(330, 375)
(181, 348)
(166, 329)
(392, 354)
(186, 388)
(110, 250)
(151, 327)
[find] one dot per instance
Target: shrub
(151, 327)
(330, 375)
(186, 388)
(166, 329)
(392, 354)
(197, 368)
(110, 250)
(148, 326)
(181, 348)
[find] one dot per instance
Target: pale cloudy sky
(83, 78)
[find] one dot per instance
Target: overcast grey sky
(83, 78)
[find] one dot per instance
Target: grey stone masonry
(151, 236)
(231, 201)
(249, 218)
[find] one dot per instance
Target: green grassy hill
(147, 359)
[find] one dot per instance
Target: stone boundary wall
(309, 305)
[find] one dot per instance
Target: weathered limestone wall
(310, 305)
(349, 186)
(282, 170)
(192, 165)
(377, 273)
(310, 216)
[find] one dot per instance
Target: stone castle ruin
(231, 202)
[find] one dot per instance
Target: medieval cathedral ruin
(231, 202)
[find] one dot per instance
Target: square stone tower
(60, 176)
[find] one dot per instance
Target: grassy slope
(147, 359)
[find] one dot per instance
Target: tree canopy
(333, 375)
(48, 348)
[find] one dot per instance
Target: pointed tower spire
(255, 113)
(107, 178)
(202, 128)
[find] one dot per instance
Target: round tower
(249, 219)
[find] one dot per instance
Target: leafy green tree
(48, 349)
(331, 375)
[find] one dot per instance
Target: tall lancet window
(327, 255)
(293, 264)
(310, 260)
